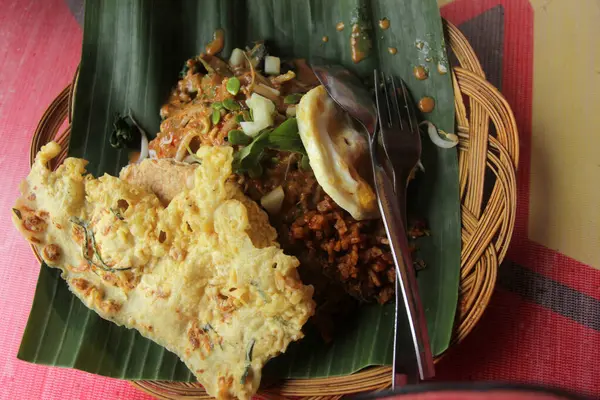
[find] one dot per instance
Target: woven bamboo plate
(488, 142)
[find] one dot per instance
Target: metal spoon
(348, 92)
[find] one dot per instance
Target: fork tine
(412, 117)
(388, 102)
(382, 109)
(395, 103)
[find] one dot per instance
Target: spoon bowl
(347, 91)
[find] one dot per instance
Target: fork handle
(393, 217)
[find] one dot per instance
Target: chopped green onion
(245, 374)
(216, 117)
(233, 85)
(238, 137)
(89, 234)
(217, 105)
(272, 202)
(272, 65)
(231, 105)
(249, 350)
(292, 98)
(237, 57)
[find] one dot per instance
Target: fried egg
(338, 153)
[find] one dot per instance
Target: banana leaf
(132, 53)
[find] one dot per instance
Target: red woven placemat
(40, 46)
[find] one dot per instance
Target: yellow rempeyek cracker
(203, 277)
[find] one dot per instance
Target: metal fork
(400, 141)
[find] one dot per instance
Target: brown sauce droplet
(360, 44)
(426, 104)
(442, 69)
(325, 39)
(420, 72)
(217, 43)
(384, 23)
(392, 50)
(340, 26)
(122, 204)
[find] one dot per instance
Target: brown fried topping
(51, 252)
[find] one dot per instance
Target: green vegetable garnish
(233, 85)
(248, 361)
(249, 350)
(292, 98)
(245, 374)
(285, 137)
(238, 137)
(231, 105)
(239, 118)
(247, 115)
(217, 105)
(216, 117)
(89, 234)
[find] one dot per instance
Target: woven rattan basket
(488, 142)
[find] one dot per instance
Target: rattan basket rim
(485, 235)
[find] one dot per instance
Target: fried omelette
(203, 277)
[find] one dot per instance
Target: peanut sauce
(420, 72)
(359, 44)
(442, 69)
(426, 104)
(384, 24)
(217, 43)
